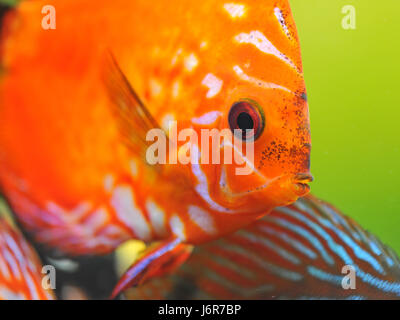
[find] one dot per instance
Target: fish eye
(246, 115)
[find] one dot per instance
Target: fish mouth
(300, 183)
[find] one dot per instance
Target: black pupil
(244, 121)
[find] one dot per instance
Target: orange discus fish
(20, 269)
(308, 250)
(91, 110)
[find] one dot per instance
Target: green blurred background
(352, 79)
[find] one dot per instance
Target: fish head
(263, 104)
(244, 85)
(268, 162)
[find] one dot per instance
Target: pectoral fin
(157, 261)
(133, 118)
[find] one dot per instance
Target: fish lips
(300, 185)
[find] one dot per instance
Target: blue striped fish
(308, 250)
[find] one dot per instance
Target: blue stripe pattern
(300, 250)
